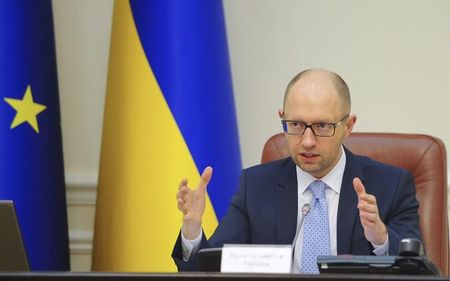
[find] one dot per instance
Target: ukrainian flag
(169, 113)
(31, 162)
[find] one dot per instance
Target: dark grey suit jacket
(264, 211)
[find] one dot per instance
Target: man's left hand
(374, 229)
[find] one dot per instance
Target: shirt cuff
(190, 247)
(381, 250)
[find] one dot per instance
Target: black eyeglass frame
(284, 122)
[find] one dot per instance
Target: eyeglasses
(293, 127)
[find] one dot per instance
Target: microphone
(305, 211)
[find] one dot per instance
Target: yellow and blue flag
(169, 113)
(31, 162)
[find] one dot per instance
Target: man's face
(313, 99)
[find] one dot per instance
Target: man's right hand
(192, 204)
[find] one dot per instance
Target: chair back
(425, 157)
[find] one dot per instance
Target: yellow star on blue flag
(31, 158)
(26, 110)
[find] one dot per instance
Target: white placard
(256, 258)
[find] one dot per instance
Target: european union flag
(31, 162)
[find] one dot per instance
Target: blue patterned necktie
(316, 234)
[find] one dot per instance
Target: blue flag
(185, 44)
(31, 162)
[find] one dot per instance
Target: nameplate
(256, 258)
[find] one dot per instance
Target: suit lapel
(347, 210)
(286, 204)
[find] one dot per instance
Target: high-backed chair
(425, 157)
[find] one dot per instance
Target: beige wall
(82, 32)
(393, 54)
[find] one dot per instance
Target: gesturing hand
(192, 204)
(374, 229)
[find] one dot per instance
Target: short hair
(339, 84)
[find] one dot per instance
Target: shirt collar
(333, 179)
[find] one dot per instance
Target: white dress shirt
(334, 181)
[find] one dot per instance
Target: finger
(369, 198)
(370, 208)
(359, 187)
(368, 218)
(181, 206)
(183, 182)
(182, 192)
(367, 225)
(205, 178)
(365, 222)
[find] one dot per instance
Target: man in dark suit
(364, 207)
